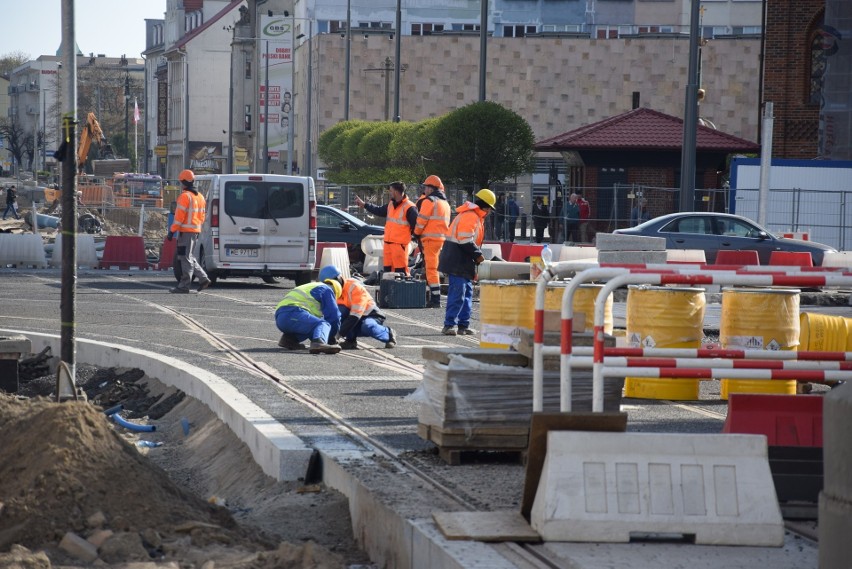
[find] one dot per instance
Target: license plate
(236, 252)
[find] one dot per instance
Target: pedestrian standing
(540, 218)
(433, 224)
(359, 315)
(572, 219)
(500, 218)
(189, 217)
(513, 211)
(310, 312)
(585, 214)
(460, 257)
(11, 203)
(400, 219)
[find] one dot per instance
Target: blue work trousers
(367, 327)
(459, 302)
(302, 324)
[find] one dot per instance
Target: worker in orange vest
(189, 216)
(460, 257)
(400, 218)
(358, 312)
(433, 224)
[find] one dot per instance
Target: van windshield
(264, 200)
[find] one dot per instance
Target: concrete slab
(835, 501)
(632, 257)
(22, 250)
(603, 487)
(485, 526)
(619, 242)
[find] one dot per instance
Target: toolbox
(401, 292)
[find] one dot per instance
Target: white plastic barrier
(373, 247)
(839, 259)
(685, 256)
(87, 255)
(22, 250)
(337, 256)
(570, 253)
(601, 487)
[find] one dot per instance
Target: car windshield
(264, 200)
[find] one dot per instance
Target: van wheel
(303, 277)
(271, 280)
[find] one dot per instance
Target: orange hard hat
(434, 181)
(187, 176)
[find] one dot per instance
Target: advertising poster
(276, 59)
(205, 157)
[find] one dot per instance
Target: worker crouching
(360, 317)
(310, 312)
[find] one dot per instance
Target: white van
(257, 225)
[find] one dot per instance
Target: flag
(135, 112)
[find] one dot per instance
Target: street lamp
(123, 62)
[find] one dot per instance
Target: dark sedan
(335, 225)
(714, 232)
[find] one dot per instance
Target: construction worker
(459, 258)
(189, 216)
(359, 314)
(310, 312)
(433, 223)
(400, 218)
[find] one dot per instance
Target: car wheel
(302, 277)
(271, 280)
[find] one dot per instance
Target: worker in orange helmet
(360, 317)
(400, 218)
(189, 216)
(433, 223)
(460, 257)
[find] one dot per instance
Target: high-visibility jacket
(462, 247)
(301, 297)
(433, 217)
(190, 212)
(397, 228)
(356, 298)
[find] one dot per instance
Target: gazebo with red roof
(642, 148)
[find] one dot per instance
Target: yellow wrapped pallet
(825, 333)
(664, 317)
(507, 307)
(759, 319)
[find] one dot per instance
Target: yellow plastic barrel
(508, 307)
(584, 303)
(759, 319)
(664, 317)
(825, 333)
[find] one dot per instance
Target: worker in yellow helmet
(460, 257)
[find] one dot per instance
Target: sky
(110, 27)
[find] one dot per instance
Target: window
(264, 200)
(465, 27)
(425, 29)
(248, 66)
(824, 44)
(247, 125)
(695, 225)
(735, 228)
(518, 31)
(331, 26)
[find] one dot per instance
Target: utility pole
(386, 68)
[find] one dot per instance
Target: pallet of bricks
(474, 400)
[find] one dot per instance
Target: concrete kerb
(392, 535)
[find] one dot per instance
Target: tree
(482, 143)
(11, 60)
(15, 138)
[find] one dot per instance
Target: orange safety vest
(397, 229)
(468, 228)
(356, 298)
(433, 219)
(190, 212)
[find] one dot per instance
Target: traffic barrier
(578, 253)
(686, 256)
(785, 420)
(505, 248)
(124, 252)
(521, 253)
(335, 254)
(491, 250)
(664, 317)
(87, 255)
(744, 257)
(791, 258)
(803, 235)
(759, 319)
(167, 254)
(22, 250)
(841, 259)
(601, 487)
(322, 246)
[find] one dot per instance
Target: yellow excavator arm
(91, 132)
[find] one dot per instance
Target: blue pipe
(113, 410)
(132, 426)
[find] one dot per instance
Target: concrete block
(78, 547)
(619, 242)
(686, 256)
(490, 250)
(14, 345)
(571, 253)
(601, 487)
(839, 259)
(339, 257)
(86, 253)
(24, 250)
(632, 257)
(98, 537)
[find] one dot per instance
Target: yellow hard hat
(434, 181)
(335, 286)
(487, 196)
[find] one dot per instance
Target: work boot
(178, 290)
(289, 342)
(204, 284)
(449, 331)
(349, 344)
(465, 331)
(391, 338)
(320, 347)
(434, 301)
